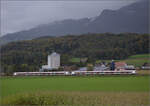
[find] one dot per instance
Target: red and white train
(75, 73)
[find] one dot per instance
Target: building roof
(120, 64)
(54, 54)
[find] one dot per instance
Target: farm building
(120, 65)
(53, 61)
(124, 66)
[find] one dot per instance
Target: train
(75, 73)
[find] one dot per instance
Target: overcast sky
(22, 15)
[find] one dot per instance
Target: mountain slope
(131, 18)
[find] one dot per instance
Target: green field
(105, 83)
(24, 88)
(75, 60)
(146, 56)
(136, 60)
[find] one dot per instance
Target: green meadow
(136, 60)
(55, 83)
(140, 56)
(55, 88)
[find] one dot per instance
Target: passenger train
(75, 73)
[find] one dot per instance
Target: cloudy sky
(23, 15)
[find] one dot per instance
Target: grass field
(136, 60)
(111, 84)
(48, 98)
(146, 56)
(75, 60)
(82, 90)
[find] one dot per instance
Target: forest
(30, 55)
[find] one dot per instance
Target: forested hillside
(30, 55)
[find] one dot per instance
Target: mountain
(132, 18)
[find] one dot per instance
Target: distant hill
(96, 46)
(132, 18)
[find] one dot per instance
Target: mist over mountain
(132, 18)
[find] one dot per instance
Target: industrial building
(53, 62)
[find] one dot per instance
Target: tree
(24, 68)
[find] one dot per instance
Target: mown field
(101, 91)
